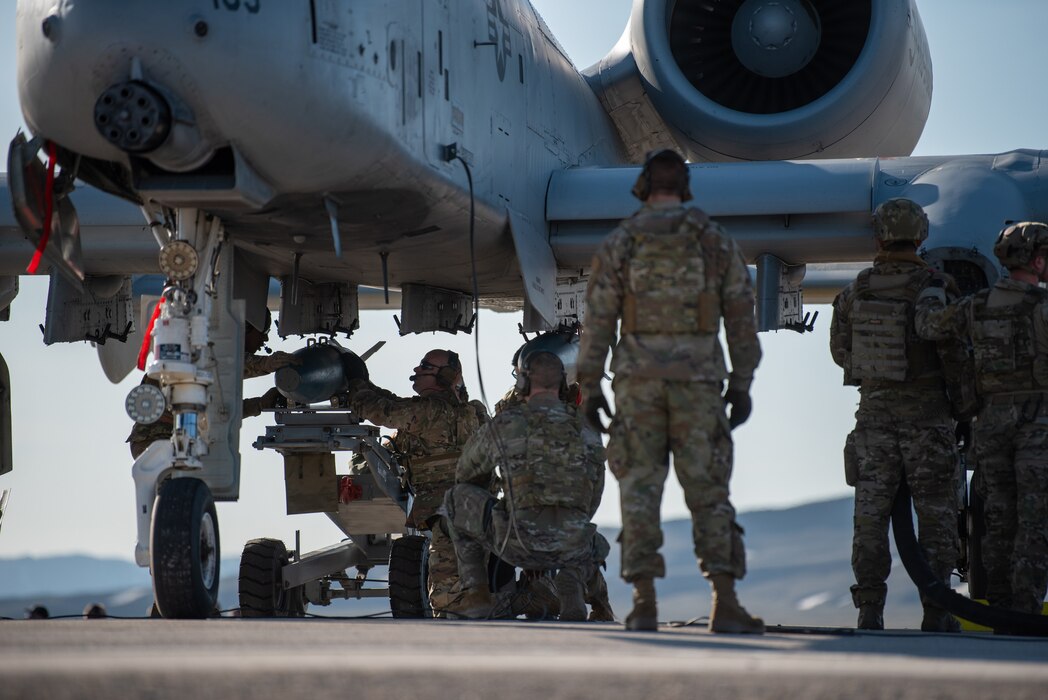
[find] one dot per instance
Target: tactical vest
(1004, 343)
(672, 274)
(432, 468)
(884, 342)
(547, 464)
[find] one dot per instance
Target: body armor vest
(884, 343)
(547, 464)
(1004, 344)
(431, 464)
(671, 279)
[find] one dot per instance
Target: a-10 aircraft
(338, 144)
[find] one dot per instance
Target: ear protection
(523, 385)
(447, 374)
(642, 187)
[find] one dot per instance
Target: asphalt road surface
(232, 658)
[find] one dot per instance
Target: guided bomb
(323, 370)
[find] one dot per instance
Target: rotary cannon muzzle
(323, 370)
(133, 116)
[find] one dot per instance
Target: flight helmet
(900, 219)
(1018, 244)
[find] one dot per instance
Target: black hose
(1000, 620)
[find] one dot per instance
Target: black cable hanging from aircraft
(928, 584)
(711, 44)
(451, 153)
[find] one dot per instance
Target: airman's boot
(871, 616)
(645, 616)
(597, 597)
(727, 615)
(938, 620)
(536, 597)
(475, 604)
(571, 594)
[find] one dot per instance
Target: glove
(741, 405)
(271, 399)
(278, 360)
(591, 408)
(963, 434)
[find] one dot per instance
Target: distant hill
(798, 559)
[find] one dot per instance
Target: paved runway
(232, 658)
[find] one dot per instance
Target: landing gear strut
(197, 346)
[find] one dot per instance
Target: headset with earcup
(523, 384)
(449, 373)
(642, 187)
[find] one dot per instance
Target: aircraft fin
(118, 359)
(538, 271)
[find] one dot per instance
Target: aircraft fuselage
(276, 105)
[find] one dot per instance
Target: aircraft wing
(804, 225)
(807, 223)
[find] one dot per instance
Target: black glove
(963, 434)
(594, 404)
(271, 399)
(741, 405)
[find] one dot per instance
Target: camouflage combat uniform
(431, 431)
(1008, 328)
(671, 274)
(904, 424)
(142, 436)
(539, 586)
(551, 466)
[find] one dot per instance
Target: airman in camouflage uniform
(904, 425)
(1008, 328)
(431, 430)
(142, 435)
(551, 464)
(538, 598)
(672, 275)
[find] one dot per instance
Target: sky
(71, 487)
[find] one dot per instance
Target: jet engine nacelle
(769, 79)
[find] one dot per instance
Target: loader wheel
(262, 592)
(408, 575)
(184, 550)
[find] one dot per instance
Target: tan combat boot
(597, 597)
(871, 616)
(571, 594)
(645, 616)
(727, 615)
(536, 597)
(475, 604)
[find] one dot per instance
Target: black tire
(261, 583)
(976, 530)
(408, 576)
(184, 552)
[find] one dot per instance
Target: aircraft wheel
(408, 576)
(184, 552)
(976, 530)
(262, 592)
